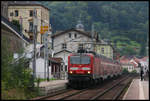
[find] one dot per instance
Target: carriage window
(80, 60)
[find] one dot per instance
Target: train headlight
(70, 72)
(89, 72)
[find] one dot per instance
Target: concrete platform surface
(52, 86)
(52, 83)
(138, 90)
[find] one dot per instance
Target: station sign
(43, 29)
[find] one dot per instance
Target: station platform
(48, 87)
(138, 90)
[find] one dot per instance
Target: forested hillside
(121, 22)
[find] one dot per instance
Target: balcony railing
(15, 28)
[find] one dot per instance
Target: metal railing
(59, 75)
(15, 28)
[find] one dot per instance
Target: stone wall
(12, 41)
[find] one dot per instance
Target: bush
(16, 23)
(16, 77)
(134, 72)
(125, 71)
(21, 75)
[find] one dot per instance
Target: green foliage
(41, 80)
(125, 71)
(16, 23)
(127, 21)
(16, 78)
(134, 71)
(20, 75)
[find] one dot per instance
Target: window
(31, 37)
(80, 60)
(65, 67)
(102, 49)
(69, 35)
(64, 46)
(30, 26)
(75, 35)
(31, 13)
(16, 13)
(11, 14)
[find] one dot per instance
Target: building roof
(88, 34)
(56, 60)
(136, 60)
(124, 61)
(135, 64)
(145, 58)
(63, 51)
(26, 3)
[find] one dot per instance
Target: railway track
(90, 93)
(111, 89)
(62, 95)
(114, 91)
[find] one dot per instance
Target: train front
(80, 69)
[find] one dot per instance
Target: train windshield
(80, 60)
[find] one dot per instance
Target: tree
(128, 20)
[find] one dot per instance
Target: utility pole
(46, 56)
(44, 36)
(21, 30)
(34, 41)
(92, 34)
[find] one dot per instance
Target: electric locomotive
(89, 68)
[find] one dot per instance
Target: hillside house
(22, 11)
(69, 41)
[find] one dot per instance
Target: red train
(86, 69)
